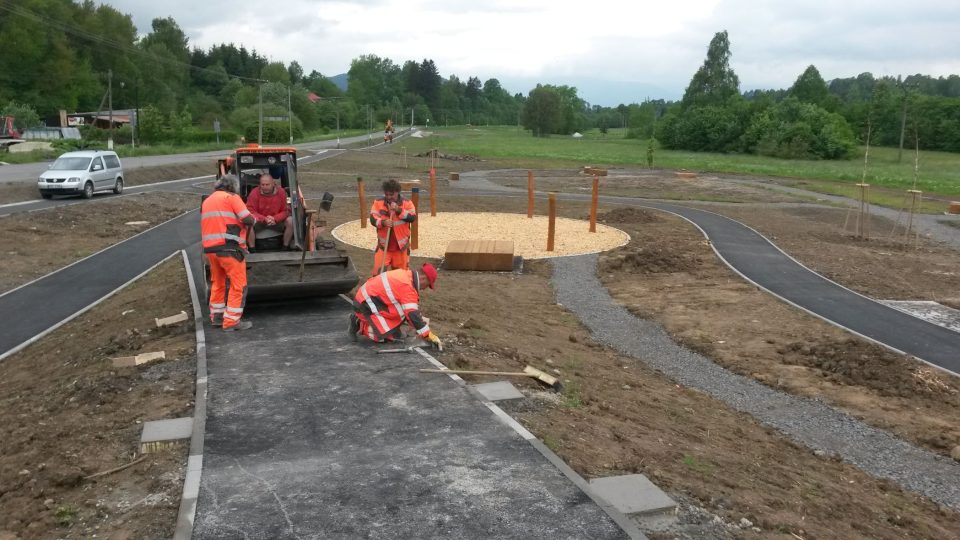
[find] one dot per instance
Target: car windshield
(70, 164)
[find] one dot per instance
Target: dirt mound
(855, 362)
(629, 215)
(650, 259)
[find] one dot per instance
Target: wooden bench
(489, 255)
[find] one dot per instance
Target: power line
(83, 34)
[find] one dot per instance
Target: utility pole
(411, 117)
(290, 114)
(260, 123)
(369, 125)
(110, 104)
(136, 113)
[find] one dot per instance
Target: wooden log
(362, 197)
(593, 204)
(954, 207)
(552, 221)
(529, 194)
(433, 192)
(415, 226)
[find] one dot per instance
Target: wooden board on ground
(171, 320)
(407, 185)
(489, 255)
(138, 360)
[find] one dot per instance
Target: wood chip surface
(529, 235)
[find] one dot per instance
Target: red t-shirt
(261, 205)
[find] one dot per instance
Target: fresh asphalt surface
(763, 263)
(311, 435)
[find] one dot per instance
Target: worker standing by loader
(386, 300)
(392, 216)
(224, 219)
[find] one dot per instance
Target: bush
(708, 128)
(274, 132)
(796, 130)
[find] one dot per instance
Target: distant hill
(340, 80)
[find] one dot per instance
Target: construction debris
(138, 360)
(172, 320)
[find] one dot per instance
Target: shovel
(541, 376)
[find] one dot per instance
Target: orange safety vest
(387, 299)
(221, 225)
(401, 226)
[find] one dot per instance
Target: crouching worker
(223, 222)
(387, 300)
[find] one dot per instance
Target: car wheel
(88, 190)
(118, 187)
(47, 195)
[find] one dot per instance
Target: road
(28, 172)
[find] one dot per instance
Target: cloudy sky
(614, 51)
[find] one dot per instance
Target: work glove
(435, 341)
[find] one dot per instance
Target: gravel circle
(806, 421)
(529, 235)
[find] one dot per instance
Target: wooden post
(362, 197)
(552, 223)
(529, 194)
(433, 192)
(415, 199)
(593, 204)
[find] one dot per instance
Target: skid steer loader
(313, 266)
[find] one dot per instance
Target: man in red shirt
(268, 204)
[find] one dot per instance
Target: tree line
(62, 54)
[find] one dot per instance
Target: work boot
(354, 327)
(242, 325)
(217, 320)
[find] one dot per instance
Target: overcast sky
(614, 51)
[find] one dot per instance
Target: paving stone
(167, 430)
(632, 494)
(497, 391)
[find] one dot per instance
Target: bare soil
(653, 184)
(37, 243)
(616, 416)
(67, 414)
(669, 273)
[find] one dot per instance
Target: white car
(84, 173)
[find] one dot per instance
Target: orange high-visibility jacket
(401, 226)
(388, 299)
(221, 225)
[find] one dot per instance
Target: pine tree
(715, 82)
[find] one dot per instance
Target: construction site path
(310, 435)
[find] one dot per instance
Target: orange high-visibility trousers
(396, 260)
(228, 303)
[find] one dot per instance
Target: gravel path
(809, 422)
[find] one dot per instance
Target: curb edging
(191, 481)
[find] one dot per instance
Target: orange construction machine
(311, 266)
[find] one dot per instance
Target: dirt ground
(653, 184)
(38, 243)
(67, 414)
(616, 416)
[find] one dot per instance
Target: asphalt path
(32, 310)
(28, 172)
(311, 435)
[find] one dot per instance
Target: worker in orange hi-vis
(224, 219)
(392, 216)
(388, 300)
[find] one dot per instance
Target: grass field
(939, 171)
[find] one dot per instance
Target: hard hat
(430, 272)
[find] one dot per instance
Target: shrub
(796, 130)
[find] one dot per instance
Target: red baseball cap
(431, 273)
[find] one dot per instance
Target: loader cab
(253, 161)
